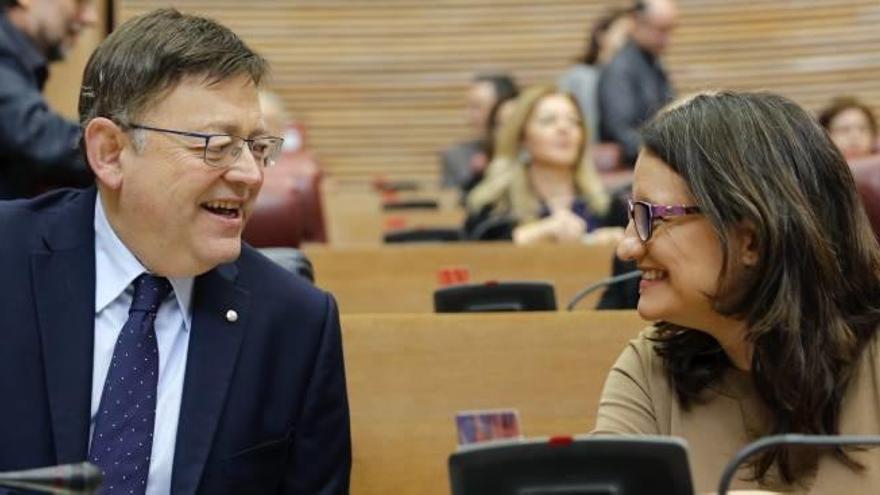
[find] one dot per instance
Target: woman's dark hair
(842, 103)
(504, 85)
(812, 301)
(492, 124)
(597, 31)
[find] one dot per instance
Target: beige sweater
(638, 399)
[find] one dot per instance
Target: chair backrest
(291, 259)
(866, 173)
(288, 210)
(408, 375)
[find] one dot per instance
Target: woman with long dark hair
(760, 272)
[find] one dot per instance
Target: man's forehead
(228, 105)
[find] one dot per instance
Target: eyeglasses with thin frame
(643, 215)
(222, 150)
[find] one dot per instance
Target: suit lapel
(64, 294)
(213, 351)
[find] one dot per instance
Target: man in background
(635, 85)
(37, 146)
(461, 161)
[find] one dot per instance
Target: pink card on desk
(486, 425)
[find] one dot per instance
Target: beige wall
(380, 83)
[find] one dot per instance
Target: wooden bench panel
(402, 278)
(408, 375)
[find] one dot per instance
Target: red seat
(288, 210)
(866, 172)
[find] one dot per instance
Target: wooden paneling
(408, 375)
(380, 83)
(401, 278)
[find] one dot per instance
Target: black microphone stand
(789, 439)
(602, 283)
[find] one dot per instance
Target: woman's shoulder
(640, 361)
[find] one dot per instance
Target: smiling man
(145, 337)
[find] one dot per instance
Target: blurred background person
(851, 125)
(38, 147)
(498, 115)
(606, 37)
(767, 302)
(542, 182)
(461, 160)
(634, 85)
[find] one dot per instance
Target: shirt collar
(116, 268)
(22, 48)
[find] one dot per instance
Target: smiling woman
(766, 302)
(542, 177)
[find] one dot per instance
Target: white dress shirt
(115, 270)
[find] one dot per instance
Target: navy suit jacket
(264, 406)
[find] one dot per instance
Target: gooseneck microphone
(605, 282)
(68, 479)
(789, 439)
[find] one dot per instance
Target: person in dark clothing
(37, 146)
(622, 295)
(461, 161)
(634, 85)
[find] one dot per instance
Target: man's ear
(104, 142)
(748, 245)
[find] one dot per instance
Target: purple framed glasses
(643, 215)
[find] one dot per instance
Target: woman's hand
(604, 235)
(561, 226)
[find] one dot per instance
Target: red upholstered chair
(866, 172)
(289, 210)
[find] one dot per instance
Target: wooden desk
(409, 374)
(354, 215)
(402, 278)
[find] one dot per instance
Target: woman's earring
(524, 156)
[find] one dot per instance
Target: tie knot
(149, 291)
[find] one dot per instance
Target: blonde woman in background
(542, 179)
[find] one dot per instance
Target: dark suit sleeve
(33, 133)
(321, 461)
(619, 108)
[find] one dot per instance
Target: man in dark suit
(137, 331)
(634, 85)
(38, 147)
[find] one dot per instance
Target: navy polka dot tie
(123, 438)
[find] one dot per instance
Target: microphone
(602, 283)
(67, 479)
(788, 439)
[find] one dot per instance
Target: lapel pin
(231, 316)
